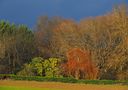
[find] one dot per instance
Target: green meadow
(21, 88)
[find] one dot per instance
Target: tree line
(94, 48)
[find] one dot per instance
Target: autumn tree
(79, 65)
(108, 35)
(44, 34)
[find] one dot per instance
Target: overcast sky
(27, 11)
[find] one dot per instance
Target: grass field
(22, 88)
(33, 85)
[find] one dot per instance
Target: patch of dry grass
(61, 86)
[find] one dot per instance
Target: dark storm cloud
(27, 11)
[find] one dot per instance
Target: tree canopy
(94, 48)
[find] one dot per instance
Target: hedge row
(65, 80)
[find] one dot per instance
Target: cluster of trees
(16, 47)
(94, 48)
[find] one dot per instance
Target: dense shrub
(26, 71)
(62, 79)
(51, 66)
(41, 67)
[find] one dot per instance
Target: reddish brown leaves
(79, 65)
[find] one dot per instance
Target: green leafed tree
(16, 46)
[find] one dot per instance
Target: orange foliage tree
(79, 65)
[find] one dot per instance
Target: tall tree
(18, 42)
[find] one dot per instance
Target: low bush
(64, 80)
